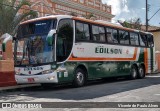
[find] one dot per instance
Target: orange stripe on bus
(146, 59)
(102, 59)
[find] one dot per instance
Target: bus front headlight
(47, 72)
(17, 73)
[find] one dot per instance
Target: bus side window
(82, 31)
(64, 39)
(143, 40)
(134, 38)
(98, 33)
(102, 34)
(150, 40)
(95, 32)
(123, 37)
(112, 35)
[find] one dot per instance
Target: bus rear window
(143, 40)
(150, 40)
(38, 27)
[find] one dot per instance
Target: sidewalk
(153, 75)
(17, 87)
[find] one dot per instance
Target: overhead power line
(154, 14)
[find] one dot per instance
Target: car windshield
(33, 48)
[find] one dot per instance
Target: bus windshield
(31, 46)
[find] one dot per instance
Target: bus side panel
(99, 69)
(70, 68)
(65, 72)
(124, 68)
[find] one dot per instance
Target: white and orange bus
(65, 49)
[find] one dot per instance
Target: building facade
(156, 34)
(81, 8)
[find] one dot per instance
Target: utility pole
(146, 15)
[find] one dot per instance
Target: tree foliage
(134, 23)
(90, 16)
(10, 16)
(73, 14)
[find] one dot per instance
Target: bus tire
(141, 73)
(134, 72)
(79, 78)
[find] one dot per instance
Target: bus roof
(146, 32)
(46, 18)
(96, 22)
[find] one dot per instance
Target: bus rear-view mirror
(50, 37)
(7, 37)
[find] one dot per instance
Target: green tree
(134, 23)
(10, 16)
(73, 14)
(89, 16)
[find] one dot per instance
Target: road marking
(152, 76)
(157, 94)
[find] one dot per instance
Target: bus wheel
(141, 73)
(79, 78)
(134, 72)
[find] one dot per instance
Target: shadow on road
(94, 89)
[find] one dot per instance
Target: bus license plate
(31, 80)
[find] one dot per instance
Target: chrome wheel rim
(141, 71)
(80, 77)
(134, 73)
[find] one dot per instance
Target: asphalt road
(121, 90)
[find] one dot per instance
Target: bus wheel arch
(141, 71)
(80, 76)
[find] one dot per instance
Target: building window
(90, 3)
(108, 9)
(81, 1)
(104, 8)
(97, 5)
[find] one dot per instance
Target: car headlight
(47, 72)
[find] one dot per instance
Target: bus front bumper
(43, 78)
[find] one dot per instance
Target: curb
(9, 88)
(154, 73)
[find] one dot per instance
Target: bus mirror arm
(7, 38)
(14, 38)
(51, 33)
(50, 37)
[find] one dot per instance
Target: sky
(129, 9)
